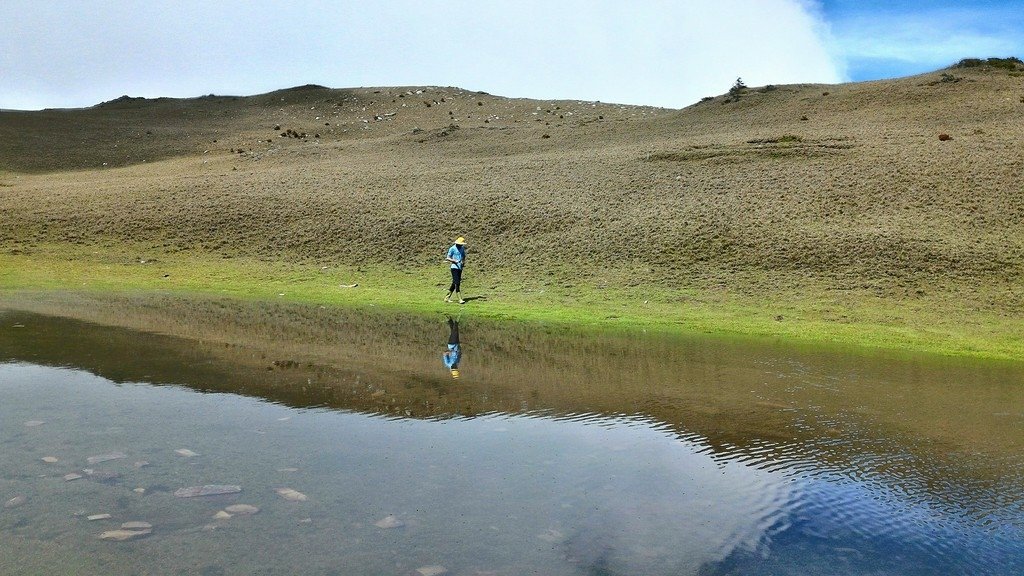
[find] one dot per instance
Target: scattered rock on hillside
(449, 130)
(15, 502)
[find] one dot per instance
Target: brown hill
(847, 185)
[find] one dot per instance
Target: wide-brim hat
(460, 240)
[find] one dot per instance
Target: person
(453, 354)
(457, 257)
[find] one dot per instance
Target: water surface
(551, 452)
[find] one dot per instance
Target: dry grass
(844, 187)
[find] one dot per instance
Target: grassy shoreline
(811, 315)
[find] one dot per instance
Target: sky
(77, 53)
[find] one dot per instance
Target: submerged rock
(95, 517)
(34, 423)
(122, 535)
(207, 490)
(552, 536)
(105, 457)
(243, 509)
(50, 459)
(185, 452)
(136, 526)
(72, 476)
(388, 522)
(431, 571)
(15, 502)
(102, 475)
(222, 515)
(291, 495)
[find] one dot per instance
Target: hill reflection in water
(929, 433)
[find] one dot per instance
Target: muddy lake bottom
(542, 454)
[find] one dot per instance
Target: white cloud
(660, 52)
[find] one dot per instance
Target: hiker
(457, 256)
(452, 356)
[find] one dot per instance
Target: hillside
(838, 188)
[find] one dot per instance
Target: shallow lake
(377, 444)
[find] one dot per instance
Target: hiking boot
(461, 301)
(447, 299)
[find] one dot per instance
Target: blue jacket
(457, 253)
(452, 356)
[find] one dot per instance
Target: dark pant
(456, 280)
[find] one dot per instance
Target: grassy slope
(856, 224)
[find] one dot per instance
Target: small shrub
(738, 88)
(1011, 63)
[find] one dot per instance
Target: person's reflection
(453, 354)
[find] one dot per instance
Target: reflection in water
(563, 454)
(453, 355)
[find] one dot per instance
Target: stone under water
(136, 526)
(105, 457)
(390, 521)
(207, 490)
(243, 509)
(291, 495)
(123, 535)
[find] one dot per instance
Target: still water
(375, 444)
